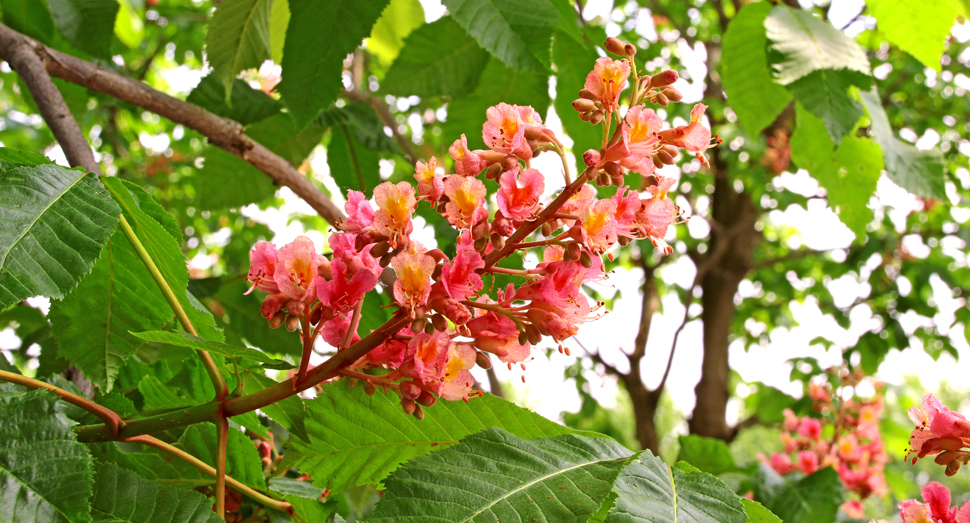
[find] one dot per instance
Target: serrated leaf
(184, 339)
(310, 510)
(238, 39)
(16, 156)
(352, 165)
(438, 59)
(574, 60)
(289, 412)
(825, 93)
(649, 491)
(245, 319)
(279, 19)
(242, 458)
(30, 17)
(806, 44)
(757, 513)
(398, 20)
(290, 486)
(55, 222)
(810, 499)
(494, 476)
(247, 105)
(466, 115)
(167, 256)
(707, 454)
(152, 208)
(367, 125)
(517, 32)
(897, 18)
(46, 474)
(751, 89)
(919, 172)
(355, 439)
(318, 38)
(121, 496)
(87, 24)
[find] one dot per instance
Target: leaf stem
(352, 328)
(222, 439)
(308, 336)
(113, 421)
(210, 366)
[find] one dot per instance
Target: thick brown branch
(221, 132)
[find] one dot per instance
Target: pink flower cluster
(934, 509)
(846, 438)
(455, 325)
(940, 432)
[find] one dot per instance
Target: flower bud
(482, 360)
(480, 229)
(408, 406)
(441, 207)
(573, 252)
(547, 229)
(436, 274)
(657, 162)
(615, 46)
(426, 399)
(369, 388)
(480, 244)
(295, 307)
(587, 94)
(591, 157)
(380, 249)
(623, 241)
(429, 328)
(630, 50)
(665, 157)
(952, 468)
(410, 390)
(418, 413)
(418, 324)
(493, 171)
(292, 323)
(664, 78)
(501, 225)
(533, 333)
(276, 321)
(603, 180)
(523, 338)
(645, 81)
(509, 162)
(673, 94)
(613, 169)
(661, 99)
(617, 180)
(586, 116)
(586, 260)
(316, 314)
(597, 117)
(385, 260)
(439, 322)
(323, 271)
(498, 242)
(583, 105)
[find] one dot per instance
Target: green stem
(173, 302)
(112, 420)
(206, 469)
(222, 440)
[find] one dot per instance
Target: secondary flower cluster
(846, 438)
(455, 325)
(934, 509)
(939, 432)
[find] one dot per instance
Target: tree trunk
(644, 400)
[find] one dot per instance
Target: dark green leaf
(352, 165)
(184, 339)
(367, 125)
(438, 59)
(494, 476)
(242, 458)
(810, 499)
(398, 20)
(245, 319)
(238, 39)
(897, 18)
(289, 413)
(825, 93)
(29, 17)
(751, 90)
(290, 486)
(319, 37)
(707, 454)
(919, 172)
(55, 222)
(121, 496)
(89, 25)
(15, 156)
(355, 439)
(574, 60)
(46, 474)
(247, 106)
(517, 32)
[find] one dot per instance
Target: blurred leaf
(574, 60)
(129, 27)
(517, 32)
(810, 499)
(244, 317)
(919, 172)
(184, 339)
(494, 475)
(238, 39)
(352, 165)
(56, 221)
(279, 20)
(86, 24)
(897, 18)
(707, 454)
(399, 18)
(30, 17)
(247, 106)
(825, 94)
(318, 38)
(367, 125)
(121, 496)
(438, 59)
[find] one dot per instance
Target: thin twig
(107, 415)
(222, 440)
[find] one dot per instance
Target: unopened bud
(591, 157)
(952, 468)
(380, 249)
(480, 229)
(324, 272)
(316, 314)
(276, 321)
(408, 405)
(603, 180)
(480, 244)
(587, 94)
(426, 399)
(665, 157)
(630, 50)
(583, 105)
(418, 324)
(385, 260)
(533, 333)
(673, 94)
(586, 260)
(369, 388)
(617, 180)
(664, 78)
(418, 413)
(292, 323)
(613, 169)
(441, 207)
(436, 273)
(586, 117)
(429, 328)
(295, 307)
(498, 242)
(493, 171)
(623, 241)
(437, 254)
(573, 251)
(547, 229)
(483, 361)
(615, 46)
(410, 390)
(597, 117)
(523, 338)
(645, 81)
(501, 225)
(509, 162)
(657, 162)
(661, 99)
(439, 322)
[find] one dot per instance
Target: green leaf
(247, 105)
(494, 476)
(244, 317)
(352, 165)
(367, 125)
(825, 93)
(849, 174)
(129, 27)
(757, 513)
(438, 59)
(574, 60)
(399, 18)
(810, 499)
(897, 19)
(355, 439)
(649, 491)
(919, 172)
(152, 208)
(121, 496)
(46, 474)
(747, 80)
(55, 222)
(310, 510)
(29, 17)
(279, 19)
(165, 252)
(242, 458)
(16, 156)
(807, 44)
(184, 339)
(517, 32)
(238, 39)
(466, 115)
(320, 35)
(707, 454)
(290, 486)
(86, 24)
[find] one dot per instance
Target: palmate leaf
(53, 224)
(751, 90)
(319, 36)
(87, 24)
(810, 499)
(649, 491)
(45, 474)
(247, 105)
(897, 19)
(398, 20)
(121, 496)
(238, 39)
(495, 476)
(355, 439)
(184, 339)
(517, 32)
(919, 172)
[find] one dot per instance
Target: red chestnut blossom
(413, 278)
(937, 429)
(296, 269)
(935, 508)
(519, 192)
(639, 141)
(606, 81)
(360, 213)
(467, 162)
(395, 205)
(497, 334)
(599, 226)
(693, 137)
(504, 132)
(353, 274)
(431, 184)
(262, 268)
(459, 278)
(457, 382)
(429, 356)
(466, 201)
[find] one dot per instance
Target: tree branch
(221, 132)
(113, 421)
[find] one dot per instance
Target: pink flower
(353, 275)
(466, 201)
(534, 129)
(497, 334)
(395, 205)
(653, 219)
(518, 194)
(467, 162)
(807, 462)
(599, 226)
(781, 463)
(810, 428)
(639, 141)
(360, 213)
(296, 269)
(262, 268)
(606, 81)
(936, 425)
(504, 132)
(431, 184)
(413, 284)
(693, 137)
(854, 509)
(335, 330)
(935, 509)
(429, 354)
(457, 382)
(459, 277)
